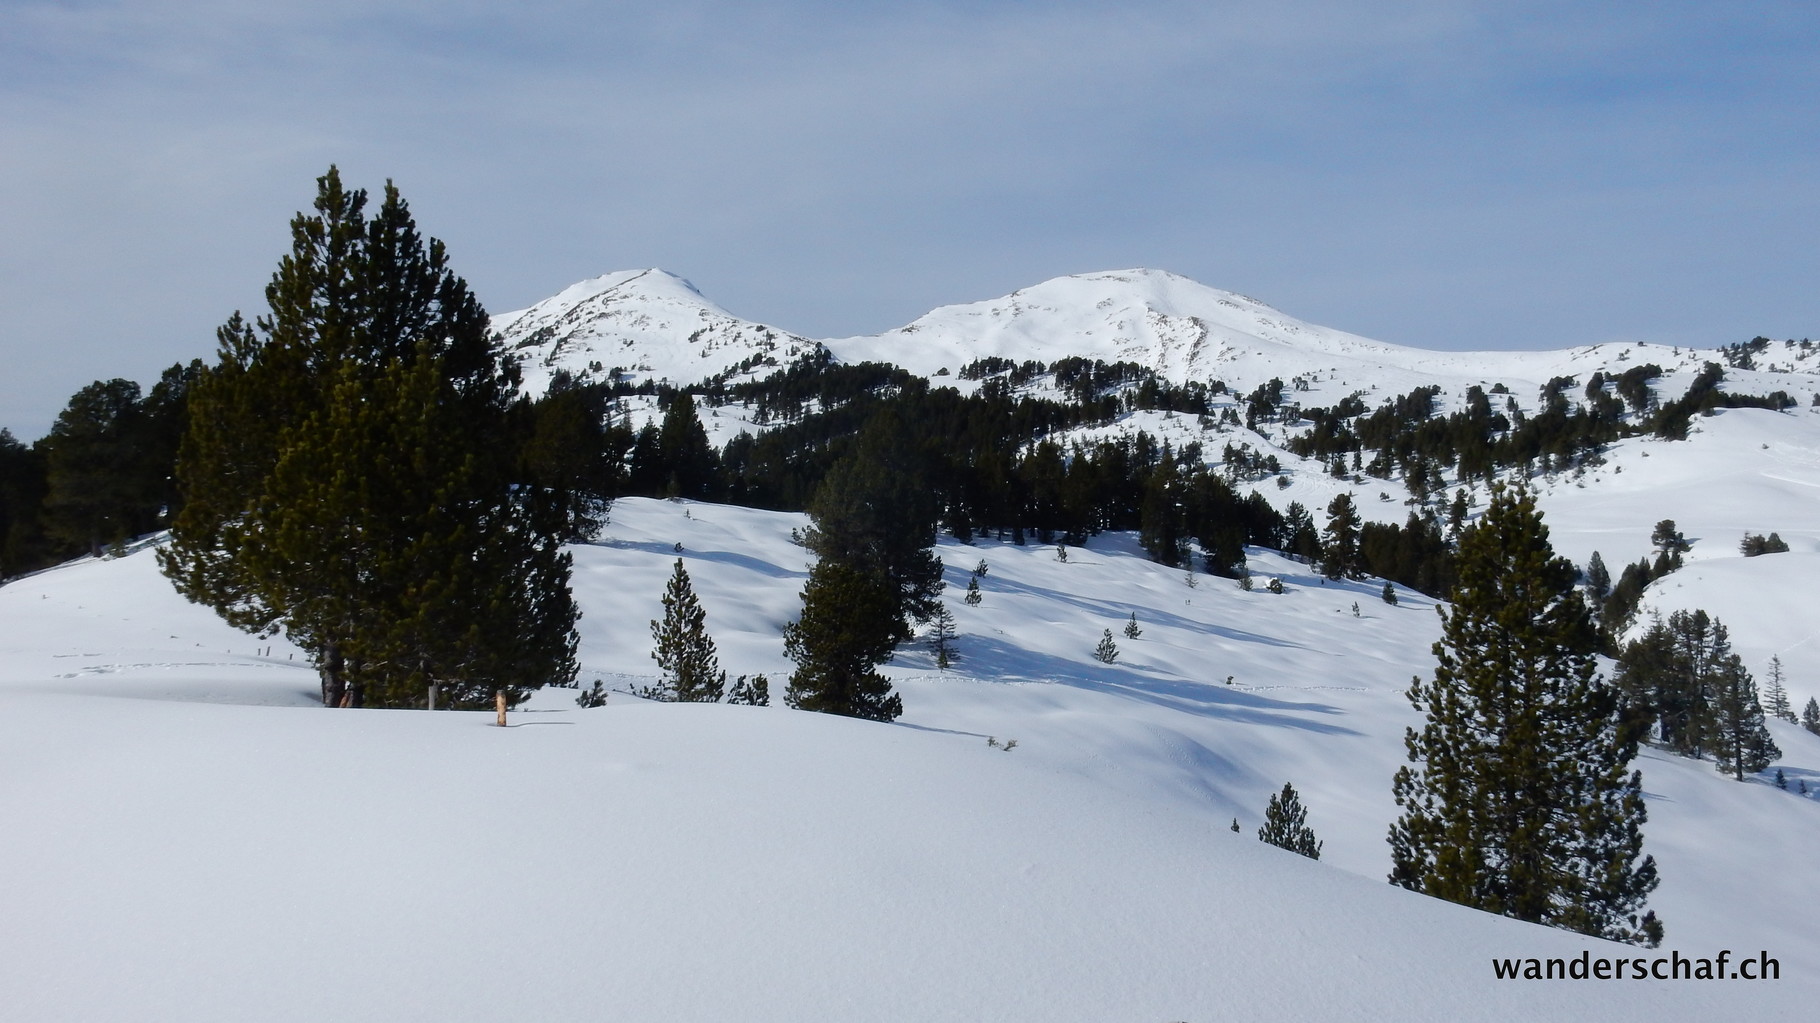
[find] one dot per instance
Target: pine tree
(1340, 546)
(941, 634)
(973, 598)
(1517, 800)
(684, 650)
(684, 452)
(1810, 716)
(1775, 696)
(1741, 742)
(1390, 595)
(1286, 824)
(1108, 651)
(344, 481)
(846, 630)
(1131, 627)
(1598, 579)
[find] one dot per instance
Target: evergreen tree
(1286, 824)
(1517, 800)
(1131, 627)
(1667, 539)
(1598, 580)
(1107, 651)
(847, 629)
(684, 651)
(1741, 742)
(751, 692)
(941, 634)
(98, 491)
(344, 479)
(973, 592)
(1810, 716)
(1390, 594)
(683, 449)
(1775, 696)
(1340, 546)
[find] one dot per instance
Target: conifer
(1286, 824)
(1108, 651)
(1775, 694)
(973, 598)
(1340, 545)
(684, 651)
(1810, 716)
(941, 634)
(1741, 741)
(846, 630)
(1516, 799)
(344, 481)
(1131, 627)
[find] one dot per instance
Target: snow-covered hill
(190, 840)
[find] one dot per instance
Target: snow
(190, 839)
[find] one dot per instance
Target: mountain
(656, 325)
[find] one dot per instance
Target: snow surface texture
(189, 840)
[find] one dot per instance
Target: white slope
(190, 840)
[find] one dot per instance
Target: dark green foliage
(23, 546)
(1517, 800)
(1741, 741)
(1131, 627)
(1390, 594)
(848, 627)
(751, 692)
(683, 650)
(1686, 689)
(1667, 539)
(1235, 825)
(1340, 555)
(1810, 716)
(1756, 544)
(683, 450)
(972, 599)
(98, 490)
(941, 637)
(1775, 694)
(1286, 824)
(571, 451)
(1598, 580)
(344, 476)
(1107, 651)
(588, 699)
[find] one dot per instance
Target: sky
(1445, 174)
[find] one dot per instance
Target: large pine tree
(1517, 799)
(345, 481)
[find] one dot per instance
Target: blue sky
(1444, 175)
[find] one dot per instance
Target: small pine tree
(973, 597)
(1775, 695)
(1107, 651)
(1286, 824)
(980, 569)
(941, 634)
(1390, 595)
(1275, 585)
(685, 652)
(1781, 780)
(751, 692)
(1131, 627)
(1235, 825)
(1061, 553)
(1810, 716)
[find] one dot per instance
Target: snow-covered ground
(189, 839)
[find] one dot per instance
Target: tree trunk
(334, 681)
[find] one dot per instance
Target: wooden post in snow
(432, 696)
(499, 701)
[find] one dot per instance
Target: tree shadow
(993, 660)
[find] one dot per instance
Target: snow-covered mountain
(646, 322)
(654, 324)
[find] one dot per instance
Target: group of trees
(1687, 691)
